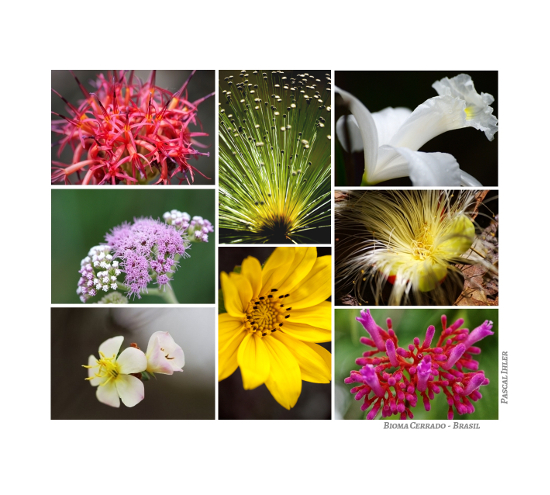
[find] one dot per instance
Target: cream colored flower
(163, 354)
(111, 374)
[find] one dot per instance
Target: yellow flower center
(422, 246)
(266, 314)
(471, 112)
(108, 368)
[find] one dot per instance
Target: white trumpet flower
(392, 137)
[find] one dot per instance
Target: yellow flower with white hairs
(275, 317)
(404, 242)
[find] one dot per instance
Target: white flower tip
(479, 113)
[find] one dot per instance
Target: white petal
(431, 169)
(479, 114)
(367, 127)
(132, 360)
(130, 389)
(348, 132)
(178, 359)
(111, 347)
(92, 361)
(435, 116)
(108, 394)
(388, 121)
(468, 180)
(163, 354)
(391, 165)
(156, 359)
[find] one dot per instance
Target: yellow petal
(306, 333)
(253, 359)
(312, 364)
(276, 267)
(318, 316)
(458, 237)
(227, 360)
(326, 355)
(231, 298)
(293, 273)
(229, 327)
(243, 288)
(428, 275)
(315, 288)
(285, 378)
(252, 270)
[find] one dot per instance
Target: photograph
(119, 246)
(422, 364)
(392, 128)
(130, 127)
(416, 247)
(274, 329)
(132, 363)
(275, 157)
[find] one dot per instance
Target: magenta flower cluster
(392, 379)
(146, 248)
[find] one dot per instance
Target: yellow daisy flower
(275, 315)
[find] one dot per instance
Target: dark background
(380, 89)
(237, 403)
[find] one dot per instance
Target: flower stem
(167, 294)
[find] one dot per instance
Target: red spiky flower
(128, 132)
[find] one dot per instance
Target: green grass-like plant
(274, 157)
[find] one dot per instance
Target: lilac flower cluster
(99, 272)
(147, 248)
(146, 251)
(395, 380)
(197, 229)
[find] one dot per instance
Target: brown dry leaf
(481, 282)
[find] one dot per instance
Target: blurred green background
(408, 324)
(201, 84)
(81, 218)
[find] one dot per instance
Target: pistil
(266, 314)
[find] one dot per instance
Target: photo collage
(308, 245)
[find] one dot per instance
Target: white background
(505, 456)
